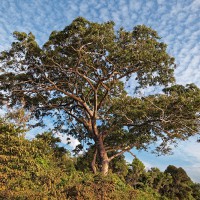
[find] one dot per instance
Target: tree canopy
(77, 78)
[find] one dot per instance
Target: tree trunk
(93, 164)
(103, 156)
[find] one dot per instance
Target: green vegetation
(30, 169)
(40, 169)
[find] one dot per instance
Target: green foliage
(136, 173)
(29, 169)
(83, 162)
(40, 169)
(196, 190)
(110, 187)
(119, 166)
(161, 119)
(159, 181)
(180, 188)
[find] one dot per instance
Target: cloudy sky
(176, 21)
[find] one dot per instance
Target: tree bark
(103, 155)
(93, 164)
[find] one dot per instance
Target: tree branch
(104, 97)
(120, 153)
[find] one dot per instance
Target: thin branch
(163, 112)
(95, 104)
(76, 118)
(104, 97)
(132, 154)
(128, 73)
(86, 78)
(120, 153)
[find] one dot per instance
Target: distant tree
(180, 188)
(83, 162)
(53, 142)
(158, 180)
(136, 173)
(49, 144)
(119, 166)
(78, 76)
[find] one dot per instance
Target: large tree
(78, 76)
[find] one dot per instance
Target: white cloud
(190, 152)
(195, 5)
(63, 137)
(73, 142)
(148, 166)
(194, 172)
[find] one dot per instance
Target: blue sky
(176, 21)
